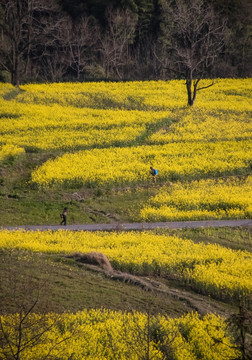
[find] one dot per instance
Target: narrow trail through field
(182, 294)
(98, 262)
(136, 226)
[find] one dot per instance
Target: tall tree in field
(192, 39)
(23, 23)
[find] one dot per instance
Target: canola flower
(201, 126)
(131, 165)
(59, 116)
(106, 334)
(209, 268)
(148, 95)
(211, 139)
(225, 95)
(204, 199)
(9, 150)
(5, 88)
(56, 127)
(76, 116)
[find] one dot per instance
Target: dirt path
(136, 226)
(203, 304)
(200, 303)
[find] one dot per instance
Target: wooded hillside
(74, 40)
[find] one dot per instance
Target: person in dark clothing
(63, 216)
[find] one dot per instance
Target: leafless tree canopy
(192, 39)
(52, 40)
(24, 25)
(114, 44)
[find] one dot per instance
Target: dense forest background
(80, 40)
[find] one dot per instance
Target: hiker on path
(63, 216)
(154, 173)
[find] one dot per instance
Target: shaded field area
(68, 284)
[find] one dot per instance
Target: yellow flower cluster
(147, 95)
(132, 164)
(56, 127)
(9, 150)
(217, 270)
(5, 88)
(201, 126)
(106, 334)
(204, 199)
(211, 139)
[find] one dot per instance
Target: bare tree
(23, 23)
(82, 35)
(151, 335)
(241, 324)
(114, 44)
(21, 329)
(52, 55)
(193, 37)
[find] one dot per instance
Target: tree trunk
(15, 74)
(191, 97)
(191, 94)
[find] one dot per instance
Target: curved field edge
(209, 269)
(48, 120)
(203, 199)
(117, 166)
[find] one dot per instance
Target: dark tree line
(60, 40)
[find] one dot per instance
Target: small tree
(81, 40)
(114, 44)
(241, 324)
(192, 38)
(21, 329)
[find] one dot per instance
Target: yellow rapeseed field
(111, 133)
(106, 334)
(202, 126)
(203, 199)
(66, 128)
(211, 268)
(8, 151)
(226, 94)
(131, 165)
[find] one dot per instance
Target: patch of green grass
(22, 203)
(85, 206)
(66, 286)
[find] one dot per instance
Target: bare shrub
(93, 258)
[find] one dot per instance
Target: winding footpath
(136, 226)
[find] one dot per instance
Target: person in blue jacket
(154, 173)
